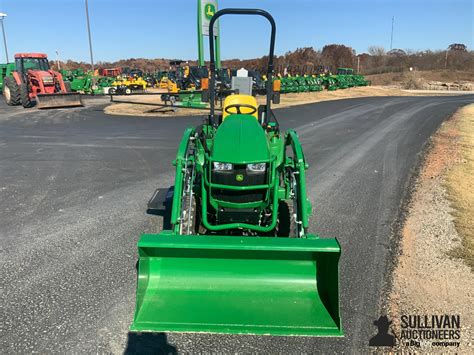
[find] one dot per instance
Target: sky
(167, 28)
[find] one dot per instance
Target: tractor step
(160, 201)
(237, 285)
(58, 100)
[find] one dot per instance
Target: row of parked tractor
(343, 79)
(189, 78)
(30, 80)
(95, 83)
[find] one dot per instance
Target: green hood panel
(240, 140)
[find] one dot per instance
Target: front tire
(11, 92)
(25, 96)
(286, 227)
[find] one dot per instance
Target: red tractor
(34, 82)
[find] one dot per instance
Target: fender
(17, 78)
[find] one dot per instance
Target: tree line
(332, 56)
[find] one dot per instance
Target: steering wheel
(238, 107)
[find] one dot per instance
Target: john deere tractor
(238, 257)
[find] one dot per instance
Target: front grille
(239, 196)
(230, 215)
(230, 178)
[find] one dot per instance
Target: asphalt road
(73, 191)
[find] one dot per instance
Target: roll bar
(214, 18)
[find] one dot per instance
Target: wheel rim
(6, 93)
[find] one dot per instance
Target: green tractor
(315, 82)
(238, 257)
(359, 80)
(86, 83)
(346, 78)
(303, 85)
(6, 71)
(329, 81)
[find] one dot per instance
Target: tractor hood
(47, 77)
(240, 140)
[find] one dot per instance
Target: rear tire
(11, 92)
(25, 96)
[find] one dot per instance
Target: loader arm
(301, 166)
(179, 163)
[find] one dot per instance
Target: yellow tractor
(126, 85)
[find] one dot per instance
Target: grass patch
(460, 186)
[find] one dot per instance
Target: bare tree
(378, 51)
(337, 55)
(378, 55)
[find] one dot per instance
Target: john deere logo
(239, 177)
(210, 11)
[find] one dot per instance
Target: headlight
(222, 166)
(256, 168)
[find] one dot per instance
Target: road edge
(390, 304)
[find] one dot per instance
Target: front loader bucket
(237, 285)
(58, 100)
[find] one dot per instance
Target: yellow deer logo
(210, 11)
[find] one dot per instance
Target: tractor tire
(194, 223)
(25, 97)
(128, 91)
(286, 227)
(67, 85)
(112, 91)
(11, 92)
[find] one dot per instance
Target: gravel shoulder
(428, 280)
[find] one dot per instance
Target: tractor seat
(240, 100)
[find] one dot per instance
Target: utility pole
(57, 60)
(391, 36)
(2, 16)
(446, 59)
(358, 64)
(89, 32)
